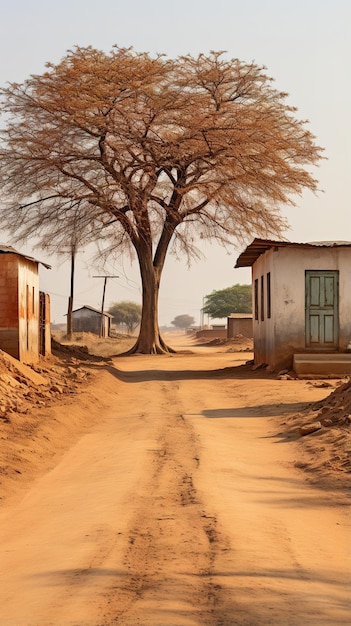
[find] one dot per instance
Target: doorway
(322, 306)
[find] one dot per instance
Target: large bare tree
(155, 153)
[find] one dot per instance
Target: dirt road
(182, 506)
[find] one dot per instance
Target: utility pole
(70, 299)
(71, 251)
(103, 302)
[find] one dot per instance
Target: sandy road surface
(182, 507)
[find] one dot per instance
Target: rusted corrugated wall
(28, 298)
(19, 307)
(9, 304)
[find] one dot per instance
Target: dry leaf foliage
(141, 152)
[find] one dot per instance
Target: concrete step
(323, 364)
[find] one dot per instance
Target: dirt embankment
(326, 450)
(34, 426)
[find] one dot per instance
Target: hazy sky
(306, 47)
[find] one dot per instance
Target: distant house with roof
(89, 320)
(301, 304)
(24, 310)
(239, 324)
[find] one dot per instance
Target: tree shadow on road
(139, 376)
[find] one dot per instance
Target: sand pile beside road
(326, 451)
(33, 425)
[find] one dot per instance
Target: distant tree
(183, 321)
(155, 153)
(128, 313)
(236, 299)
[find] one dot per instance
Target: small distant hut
(239, 324)
(89, 320)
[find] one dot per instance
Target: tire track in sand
(170, 528)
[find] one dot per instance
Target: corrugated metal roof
(259, 246)
(91, 308)
(11, 250)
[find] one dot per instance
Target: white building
(301, 302)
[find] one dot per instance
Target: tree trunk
(149, 340)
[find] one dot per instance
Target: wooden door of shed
(322, 307)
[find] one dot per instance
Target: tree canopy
(235, 299)
(183, 321)
(126, 312)
(154, 153)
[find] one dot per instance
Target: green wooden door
(322, 299)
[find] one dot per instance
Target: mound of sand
(326, 450)
(30, 429)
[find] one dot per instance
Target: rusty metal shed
(20, 308)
